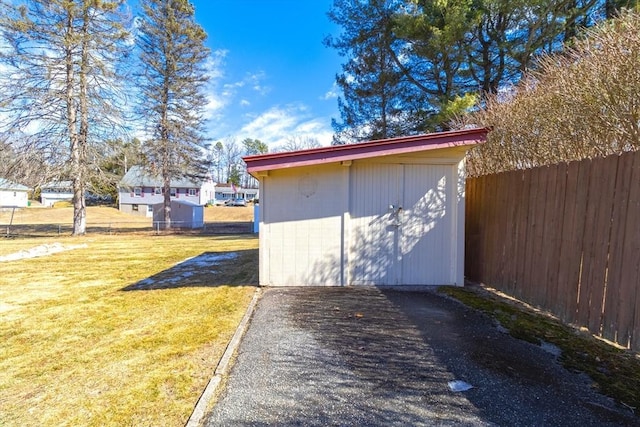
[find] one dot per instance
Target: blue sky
(272, 76)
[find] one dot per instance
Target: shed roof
(5, 184)
(383, 147)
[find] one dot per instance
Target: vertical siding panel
(303, 227)
(372, 241)
(426, 246)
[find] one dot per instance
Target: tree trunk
(79, 215)
(79, 205)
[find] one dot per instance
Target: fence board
(470, 229)
(604, 175)
(502, 231)
(537, 262)
(591, 213)
(567, 271)
(510, 235)
(523, 229)
(553, 233)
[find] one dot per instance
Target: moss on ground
(615, 372)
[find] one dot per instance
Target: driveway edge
(199, 411)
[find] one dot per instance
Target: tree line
(77, 74)
(414, 66)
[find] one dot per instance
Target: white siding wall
(13, 198)
(301, 220)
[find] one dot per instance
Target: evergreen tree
(377, 101)
(413, 65)
(173, 78)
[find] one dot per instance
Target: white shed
(184, 214)
(387, 212)
(13, 194)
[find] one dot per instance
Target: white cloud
(278, 124)
(215, 64)
(244, 103)
(216, 100)
(331, 93)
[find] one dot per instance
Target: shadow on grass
(207, 269)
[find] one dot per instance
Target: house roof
(383, 147)
(136, 176)
(57, 185)
(5, 184)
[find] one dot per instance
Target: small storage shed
(13, 194)
(184, 214)
(386, 212)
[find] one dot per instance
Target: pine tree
(172, 81)
(377, 102)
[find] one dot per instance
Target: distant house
(13, 195)
(228, 191)
(138, 191)
(56, 191)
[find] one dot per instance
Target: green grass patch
(615, 372)
(79, 349)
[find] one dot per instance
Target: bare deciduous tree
(65, 56)
(297, 142)
(580, 104)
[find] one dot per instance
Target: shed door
(401, 224)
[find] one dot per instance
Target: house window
(137, 192)
(192, 191)
(158, 190)
(149, 208)
(134, 208)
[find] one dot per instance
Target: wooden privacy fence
(565, 238)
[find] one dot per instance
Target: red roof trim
(382, 147)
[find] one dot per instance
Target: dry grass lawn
(79, 349)
(40, 221)
(105, 215)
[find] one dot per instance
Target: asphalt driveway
(366, 356)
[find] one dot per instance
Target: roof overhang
(463, 139)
